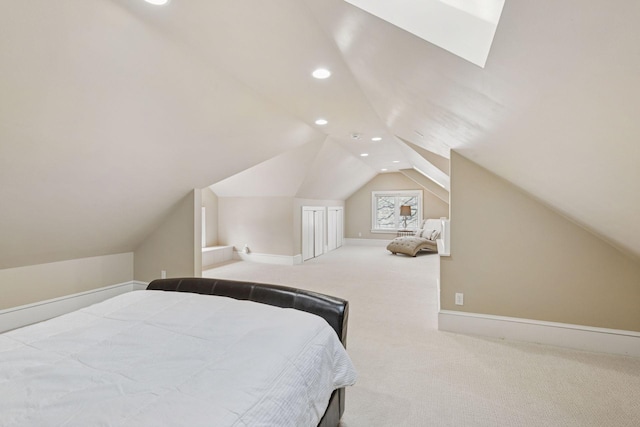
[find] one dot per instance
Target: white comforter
(154, 358)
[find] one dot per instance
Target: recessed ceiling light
(364, 155)
(321, 73)
(383, 169)
(157, 2)
(396, 161)
(376, 138)
(321, 122)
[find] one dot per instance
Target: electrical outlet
(459, 298)
(163, 274)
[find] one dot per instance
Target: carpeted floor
(411, 374)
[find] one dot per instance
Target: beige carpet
(410, 374)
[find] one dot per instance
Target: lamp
(405, 211)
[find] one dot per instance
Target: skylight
(463, 27)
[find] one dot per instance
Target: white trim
(16, 317)
(601, 340)
(137, 285)
(441, 250)
(444, 242)
(268, 258)
(215, 248)
(366, 242)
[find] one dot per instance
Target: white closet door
(332, 229)
(339, 227)
(308, 231)
(335, 227)
(313, 231)
(319, 232)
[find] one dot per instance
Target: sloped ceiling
(279, 176)
(436, 160)
(110, 111)
(334, 174)
(427, 183)
(320, 171)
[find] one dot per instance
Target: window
(385, 210)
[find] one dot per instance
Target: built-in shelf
(213, 255)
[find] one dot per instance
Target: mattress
(149, 358)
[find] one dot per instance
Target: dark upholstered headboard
(334, 310)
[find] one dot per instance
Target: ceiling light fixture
(364, 154)
(376, 138)
(321, 122)
(157, 2)
(396, 161)
(383, 169)
(321, 73)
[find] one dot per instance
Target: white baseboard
(601, 340)
(268, 258)
(137, 285)
(24, 315)
(367, 242)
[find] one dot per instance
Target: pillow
(427, 232)
(430, 233)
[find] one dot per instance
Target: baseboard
(367, 242)
(268, 258)
(601, 340)
(17, 317)
(137, 285)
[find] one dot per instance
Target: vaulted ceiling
(111, 110)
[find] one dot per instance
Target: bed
(424, 239)
(189, 351)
